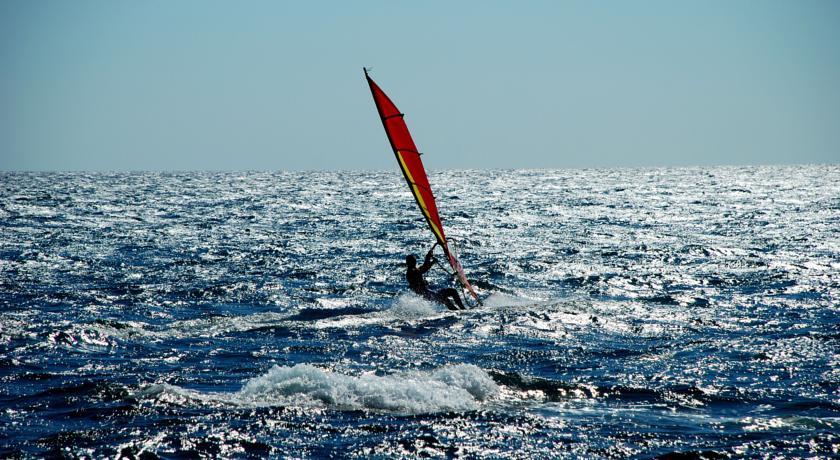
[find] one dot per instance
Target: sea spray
(451, 388)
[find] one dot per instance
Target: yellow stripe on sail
(416, 191)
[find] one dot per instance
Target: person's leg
(442, 297)
(453, 294)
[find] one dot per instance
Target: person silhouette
(414, 275)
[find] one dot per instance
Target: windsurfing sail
(412, 168)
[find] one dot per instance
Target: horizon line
(136, 171)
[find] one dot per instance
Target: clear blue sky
(271, 85)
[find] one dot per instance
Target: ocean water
(629, 313)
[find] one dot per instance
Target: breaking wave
(455, 388)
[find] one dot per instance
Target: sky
(116, 85)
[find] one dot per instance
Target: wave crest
(450, 388)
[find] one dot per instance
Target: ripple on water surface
(628, 313)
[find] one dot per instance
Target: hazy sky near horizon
(271, 85)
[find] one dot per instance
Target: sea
(669, 313)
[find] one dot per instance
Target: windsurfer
(414, 275)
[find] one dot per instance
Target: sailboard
(412, 168)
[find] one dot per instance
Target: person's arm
(427, 264)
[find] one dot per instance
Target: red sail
(415, 174)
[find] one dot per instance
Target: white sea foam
(461, 387)
(451, 388)
(410, 306)
(404, 307)
(496, 300)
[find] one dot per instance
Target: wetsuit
(448, 296)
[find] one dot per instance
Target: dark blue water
(629, 313)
